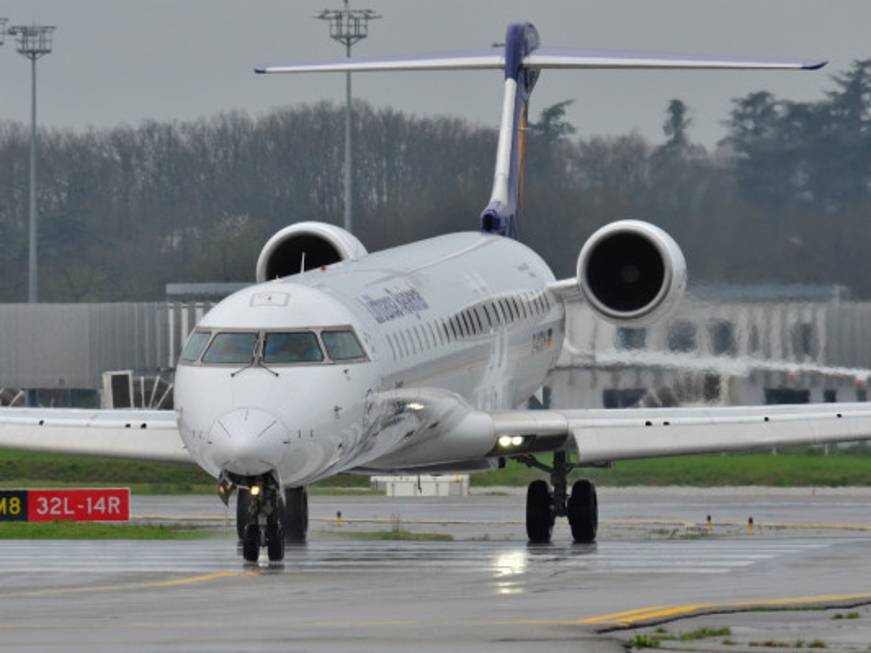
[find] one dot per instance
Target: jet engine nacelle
(631, 272)
(304, 246)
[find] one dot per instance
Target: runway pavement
(486, 590)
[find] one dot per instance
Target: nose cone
(248, 441)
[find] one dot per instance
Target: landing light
(255, 490)
(415, 405)
(516, 441)
(507, 441)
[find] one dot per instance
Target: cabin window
(294, 347)
(477, 315)
(406, 349)
(446, 332)
(231, 348)
(501, 317)
(195, 346)
(487, 314)
(466, 323)
(342, 345)
(433, 334)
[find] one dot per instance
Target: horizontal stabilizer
(543, 58)
(573, 58)
(471, 60)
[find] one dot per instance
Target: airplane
(420, 358)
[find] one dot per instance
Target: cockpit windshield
(236, 348)
(295, 347)
(195, 345)
(342, 345)
(315, 346)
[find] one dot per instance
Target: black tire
(539, 512)
(251, 543)
(583, 509)
(295, 515)
(275, 541)
(243, 500)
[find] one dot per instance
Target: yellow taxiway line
(660, 613)
(155, 584)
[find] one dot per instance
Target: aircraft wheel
(275, 541)
(295, 514)
(539, 512)
(243, 500)
(251, 543)
(583, 511)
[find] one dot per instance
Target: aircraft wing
(731, 365)
(138, 434)
(609, 435)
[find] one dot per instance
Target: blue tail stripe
(520, 40)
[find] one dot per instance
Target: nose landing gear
(260, 519)
(270, 518)
(544, 505)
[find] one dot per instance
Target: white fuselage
(466, 315)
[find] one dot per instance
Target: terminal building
(724, 345)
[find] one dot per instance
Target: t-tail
(522, 62)
(502, 215)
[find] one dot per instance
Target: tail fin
(502, 213)
(522, 62)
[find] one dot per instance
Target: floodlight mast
(33, 42)
(348, 26)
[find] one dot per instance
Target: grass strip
(790, 468)
(795, 468)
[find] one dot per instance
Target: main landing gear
(544, 505)
(268, 517)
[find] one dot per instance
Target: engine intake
(631, 272)
(305, 246)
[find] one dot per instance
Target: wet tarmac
(486, 590)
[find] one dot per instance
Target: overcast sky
(123, 62)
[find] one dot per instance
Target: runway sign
(105, 504)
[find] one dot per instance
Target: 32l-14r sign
(104, 504)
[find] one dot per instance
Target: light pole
(32, 41)
(348, 26)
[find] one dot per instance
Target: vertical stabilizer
(502, 213)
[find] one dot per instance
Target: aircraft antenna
(348, 27)
(33, 42)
